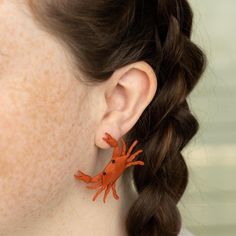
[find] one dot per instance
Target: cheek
(37, 148)
(41, 135)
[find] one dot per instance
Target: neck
(77, 214)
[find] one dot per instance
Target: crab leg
(94, 186)
(131, 147)
(123, 147)
(106, 193)
(114, 191)
(135, 163)
(134, 155)
(98, 192)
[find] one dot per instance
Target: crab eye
(104, 173)
(113, 161)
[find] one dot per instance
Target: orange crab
(106, 179)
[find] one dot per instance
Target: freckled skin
(42, 112)
(51, 125)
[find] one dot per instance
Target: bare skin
(51, 125)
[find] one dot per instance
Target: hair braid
(166, 126)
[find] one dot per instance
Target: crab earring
(106, 179)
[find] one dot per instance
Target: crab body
(113, 170)
(106, 179)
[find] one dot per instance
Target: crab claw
(82, 176)
(110, 140)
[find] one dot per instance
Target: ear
(128, 92)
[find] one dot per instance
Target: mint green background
(208, 206)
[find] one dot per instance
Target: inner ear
(117, 98)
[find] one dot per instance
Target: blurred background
(208, 206)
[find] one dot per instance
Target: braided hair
(104, 35)
(167, 125)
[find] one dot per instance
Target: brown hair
(104, 35)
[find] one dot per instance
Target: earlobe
(129, 91)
